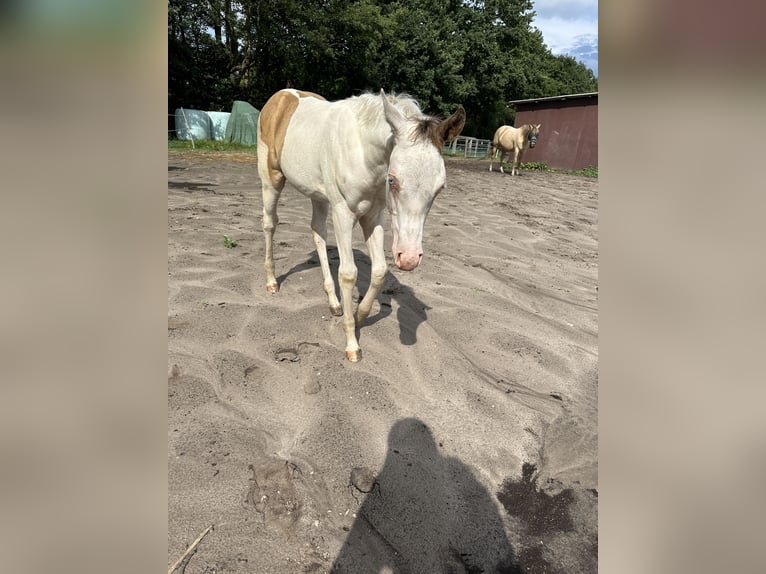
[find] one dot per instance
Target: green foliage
(534, 166)
(480, 54)
(229, 243)
(210, 145)
(587, 172)
(542, 166)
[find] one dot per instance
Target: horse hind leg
(319, 233)
(272, 182)
(270, 221)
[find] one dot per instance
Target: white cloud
(570, 27)
(560, 34)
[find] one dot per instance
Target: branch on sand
(190, 549)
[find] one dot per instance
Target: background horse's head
(534, 130)
(416, 175)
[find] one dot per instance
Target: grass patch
(534, 166)
(229, 242)
(587, 172)
(542, 166)
(209, 145)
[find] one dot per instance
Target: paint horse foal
(518, 140)
(353, 158)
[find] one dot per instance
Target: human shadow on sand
(426, 514)
(411, 311)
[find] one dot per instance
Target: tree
(443, 52)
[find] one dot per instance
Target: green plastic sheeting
(242, 124)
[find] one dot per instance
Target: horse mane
(370, 113)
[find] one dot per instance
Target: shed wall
(569, 134)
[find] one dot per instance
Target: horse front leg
(343, 222)
(521, 159)
(515, 164)
(373, 234)
(319, 233)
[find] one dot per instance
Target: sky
(570, 27)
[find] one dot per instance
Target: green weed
(535, 166)
(587, 172)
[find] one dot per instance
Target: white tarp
(218, 121)
(192, 124)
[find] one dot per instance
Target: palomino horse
(518, 140)
(353, 158)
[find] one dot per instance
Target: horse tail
(492, 148)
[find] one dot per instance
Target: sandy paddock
(466, 438)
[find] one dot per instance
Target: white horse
(352, 158)
(518, 140)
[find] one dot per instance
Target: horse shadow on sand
(411, 311)
(425, 514)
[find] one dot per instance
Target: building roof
(555, 98)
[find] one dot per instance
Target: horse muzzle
(408, 260)
(406, 257)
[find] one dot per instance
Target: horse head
(534, 130)
(416, 175)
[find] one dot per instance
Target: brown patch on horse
(272, 126)
(305, 94)
(427, 129)
(437, 131)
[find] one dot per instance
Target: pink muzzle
(408, 260)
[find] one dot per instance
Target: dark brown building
(569, 134)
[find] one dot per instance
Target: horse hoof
(336, 311)
(272, 287)
(354, 356)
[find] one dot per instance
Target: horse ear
(394, 117)
(539, 126)
(450, 128)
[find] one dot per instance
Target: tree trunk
(231, 33)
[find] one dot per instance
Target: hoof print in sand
(289, 355)
(363, 479)
(311, 387)
(293, 354)
(272, 494)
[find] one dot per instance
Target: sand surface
(466, 438)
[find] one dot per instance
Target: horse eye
(391, 180)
